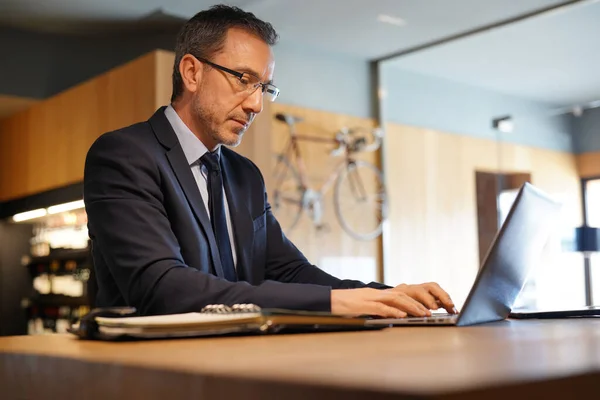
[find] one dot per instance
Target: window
(592, 210)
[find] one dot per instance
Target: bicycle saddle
(287, 118)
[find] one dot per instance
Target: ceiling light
(389, 19)
(74, 205)
(42, 212)
(33, 214)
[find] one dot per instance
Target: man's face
(224, 110)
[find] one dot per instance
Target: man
(179, 221)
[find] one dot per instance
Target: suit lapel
(241, 218)
(164, 132)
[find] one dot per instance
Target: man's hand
(390, 303)
(431, 295)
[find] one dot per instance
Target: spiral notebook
(213, 320)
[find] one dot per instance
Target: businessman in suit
(178, 221)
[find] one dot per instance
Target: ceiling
(552, 58)
(340, 26)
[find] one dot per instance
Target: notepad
(213, 320)
(173, 320)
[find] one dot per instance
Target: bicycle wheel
(288, 194)
(360, 200)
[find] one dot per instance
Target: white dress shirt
(193, 149)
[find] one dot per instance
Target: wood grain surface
(510, 358)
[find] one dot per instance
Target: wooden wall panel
(14, 165)
(265, 137)
(163, 80)
(44, 147)
(553, 171)
(432, 229)
(333, 242)
(588, 164)
(433, 211)
(255, 142)
(10, 105)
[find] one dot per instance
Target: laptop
(584, 312)
(517, 247)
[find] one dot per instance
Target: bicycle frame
(346, 172)
(292, 149)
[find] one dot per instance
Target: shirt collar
(193, 148)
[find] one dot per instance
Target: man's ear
(191, 72)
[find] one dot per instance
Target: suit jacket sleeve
(286, 263)
(131, 229)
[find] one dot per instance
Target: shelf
(82, 270)
(57, 300)
(61, 255)
(64, 262)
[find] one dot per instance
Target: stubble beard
(205, 115)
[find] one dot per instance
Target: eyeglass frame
(265, 87)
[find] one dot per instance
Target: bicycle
(355, 182)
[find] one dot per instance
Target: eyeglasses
(249, 83)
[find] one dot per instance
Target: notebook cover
(213, 320)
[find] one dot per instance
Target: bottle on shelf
(60, 267)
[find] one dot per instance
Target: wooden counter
(511, 359)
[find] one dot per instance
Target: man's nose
(254, 102)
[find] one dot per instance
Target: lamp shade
(587, 239)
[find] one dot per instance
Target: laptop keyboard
(435, 315)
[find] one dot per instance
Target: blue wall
(322, 81)
(448, 106)
(42, 65)
(27, 63)
(312, 79)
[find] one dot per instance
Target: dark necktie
(216, 205)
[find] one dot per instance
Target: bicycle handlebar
(346, 137)
(287, 118)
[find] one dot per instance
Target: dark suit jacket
(152, 243)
